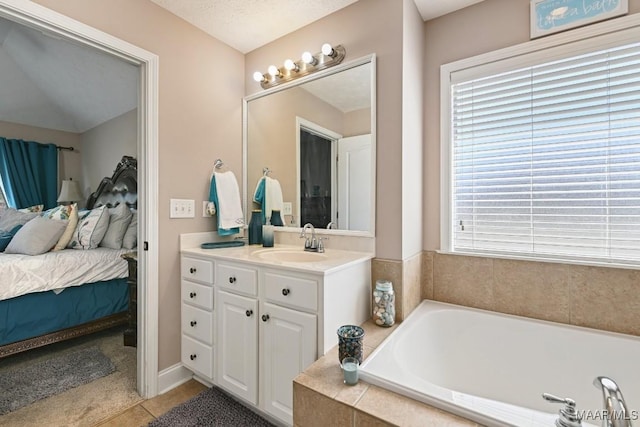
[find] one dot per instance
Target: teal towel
(259, 196)
(213, 197)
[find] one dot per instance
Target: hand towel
(225, 194)
(273, 195)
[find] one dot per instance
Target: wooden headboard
(122, 187)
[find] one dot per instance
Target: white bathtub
(493, 368)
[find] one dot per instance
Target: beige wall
(69, 162)
(363, 28)
(200, 89)
(103, 148)
(462, 34)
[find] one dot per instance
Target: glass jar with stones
(384, 309)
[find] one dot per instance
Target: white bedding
(23, 274)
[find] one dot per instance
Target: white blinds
(546, 159)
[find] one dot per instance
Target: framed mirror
(317, 137)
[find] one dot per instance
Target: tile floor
(145, 412)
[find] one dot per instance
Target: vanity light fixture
(308, 64)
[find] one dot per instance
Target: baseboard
(172, 377)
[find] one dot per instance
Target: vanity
(253, 318)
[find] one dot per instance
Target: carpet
(24, 385)
(212, 407)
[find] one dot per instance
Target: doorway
(46, 20)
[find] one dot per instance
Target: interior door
(354, 182)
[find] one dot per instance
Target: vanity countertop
(285, 256)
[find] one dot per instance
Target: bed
(61, 295)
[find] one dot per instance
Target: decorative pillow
(12, 217)
(67, 213)
(34, 208)
(119, 219)
(6, 236)
(91, 229)
(130, 239)
(36, 237)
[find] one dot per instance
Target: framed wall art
(552, 16)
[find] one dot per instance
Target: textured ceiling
(246, 25)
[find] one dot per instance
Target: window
(544, 153)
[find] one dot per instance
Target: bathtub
(493, 368)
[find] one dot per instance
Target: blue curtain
(29, 173)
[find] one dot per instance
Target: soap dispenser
(267, 234)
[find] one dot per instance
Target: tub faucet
(567, 416)
(615, 408)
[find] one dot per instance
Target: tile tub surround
(320, 397)
(406, 277)
(605, 298)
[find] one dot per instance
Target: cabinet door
(288, 347)
(237, 348)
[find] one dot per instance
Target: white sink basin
(288, 255)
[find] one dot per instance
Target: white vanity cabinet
(272, 319)
(197, 319)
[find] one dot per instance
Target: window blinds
(546, 158)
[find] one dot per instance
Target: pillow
(67, 213)
(119, 219)
(6, 236)
(36, 237)
(130, 239)
(12, 217)
(90, 229)
(34, 208)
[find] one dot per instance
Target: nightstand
(131, 331)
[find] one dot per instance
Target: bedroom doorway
(57, 25)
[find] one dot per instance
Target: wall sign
(552, 16)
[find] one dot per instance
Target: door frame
(36, 16)
(333, 137)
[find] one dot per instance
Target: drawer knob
(192, 270)
(286, 292)
(232, 279)
(265, 317)
(193, 323)
(249, 313)
(192, 295)
(193, 356)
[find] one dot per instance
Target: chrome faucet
(616, 413)
(311, 244)
(331, 225)
(567, 416)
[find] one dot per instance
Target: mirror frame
(369, 59)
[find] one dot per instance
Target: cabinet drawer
(200, 295)
(197, 323)
(197, 269)
(292, 291)
(197, 357)
(238, 279)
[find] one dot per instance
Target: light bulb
(258, 76)
(290, 65)
(273, 70)
(327, 50)
(307, 58)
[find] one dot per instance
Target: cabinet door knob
(265, 317)
(249, 313)
(192, 270)
(286, 292)
(193, 357)
(232, 279)
(192, 295)
(193, 323)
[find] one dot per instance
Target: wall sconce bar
(328, 57)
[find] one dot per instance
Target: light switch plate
(182, 208)
(287, 208)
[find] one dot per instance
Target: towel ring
(218, 164)
(266, 171)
